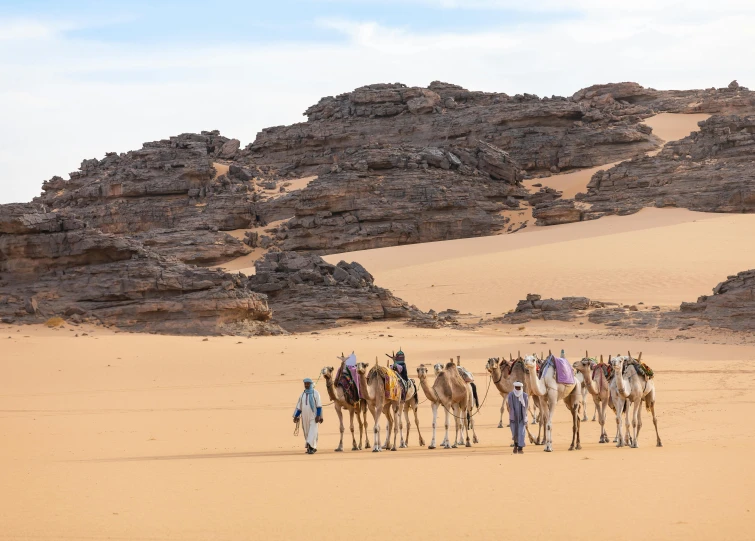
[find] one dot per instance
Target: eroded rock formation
(54, 265)
(305, 292)
(386, 196)
(710, 171)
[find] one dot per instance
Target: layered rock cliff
(387, 195)
(53, 264)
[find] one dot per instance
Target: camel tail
(474, 393)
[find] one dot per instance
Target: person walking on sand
(518, 402)
(309, 409)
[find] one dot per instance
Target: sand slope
(657, 256)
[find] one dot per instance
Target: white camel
(550, 392)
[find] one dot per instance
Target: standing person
(309, 408)
(518, 402)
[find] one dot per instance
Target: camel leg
(435, 421)
(405, 443)
(552, 400)
(651, 405)
(364, 413)
(376, 413)
(351, 426)
(474, 434)
(503, 407)
(602, 420)
(584, 404)
(398, 424)
(456, 426)
(446, 442)
(619, 411)
(389, 426)
(416, 423)
(636, 424)
(358, 411)
(595, 412)
(627, 431)
(469, 423)
(341, 428)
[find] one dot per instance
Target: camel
(599, 387)
(434, 403)
(631, 389)
(411, 402)
(450, 391)
(550, 392)
(504, 382)
(467, 416)
(373, 392)
(336, 395)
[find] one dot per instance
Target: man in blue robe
(518, 402)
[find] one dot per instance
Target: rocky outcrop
(387, 195)
(534, 307)
(306, 293)
(52, 264)
(168, 194)
(548, 134)
(710, 171)
(732, 305)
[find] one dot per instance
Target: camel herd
(622, 385)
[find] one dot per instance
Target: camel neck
(331, 389)
(427, 390)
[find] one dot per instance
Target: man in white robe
(309, 410)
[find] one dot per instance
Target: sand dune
(124, 436)
(657, 256)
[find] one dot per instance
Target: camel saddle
(606, 368)
(641, 368)
(564, 371)
(345, 380)
(394, 387)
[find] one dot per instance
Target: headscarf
(519, 393)
(310, 393)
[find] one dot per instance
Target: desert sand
(121, 436)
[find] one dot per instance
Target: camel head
(327, 372)
(438, 367)
(422, 372)
(616, 363)
(362, 368)
(493, 362)
(530, 362)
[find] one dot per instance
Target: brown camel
(597, 384)
(337, 396)
(372, 389)
(411, 402)
(454, 395)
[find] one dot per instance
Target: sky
(82, 78)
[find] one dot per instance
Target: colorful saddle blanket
(606, 368)
(642, 369)
(347, 380)
(394, 388)
(564, 371)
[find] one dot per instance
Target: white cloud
(63, 100)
